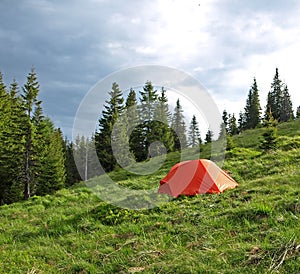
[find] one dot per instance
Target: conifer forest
(37, 159)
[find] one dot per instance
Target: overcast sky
(222, 43)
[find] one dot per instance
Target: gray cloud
(73, 44)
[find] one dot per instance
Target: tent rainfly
(195, 177)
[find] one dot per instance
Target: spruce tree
(29, 95)
(15, 144)
(252, 108)
(194, 133)
(50, 171)
(274, 98)
(161, 129)
(72, 174)
(248, 108)
(110, 114)
(4, 117)
(179, 128)
(120, 141)
(270, 140)
(135, 130)
(225, 120)
(241, 122)
(298, 112)
(232, 126)
(80, 153)
(148, 101)
(148, 104)
(286, 111)
(23, 158)
(209, 136)
(229, 143)
(44, 147)
(12, 143)
(132, 111)
(223, 125)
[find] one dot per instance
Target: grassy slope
(252, 229)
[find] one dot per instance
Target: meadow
(251, 229)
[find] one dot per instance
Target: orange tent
(195, 177)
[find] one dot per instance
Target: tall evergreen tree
(161, 129)
(286, 111)
(252, 108)
(4, 117)
(24, 143)
(194, 137)
(241, 122)
(80, 153)
(148, 101)
(72, 174)
(44, 152)
(135, 130)
(209, 136)
(131, 107)
(15, 143)
(298, 112)
(274, 98)
(49, 170)
(148, 104)
(225, 120)
(223, 125)
(178, 125)
(270, 139)
(110, 114)
(30, 101)
(120, 141)
(232, 126)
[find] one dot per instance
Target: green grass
(251, 229)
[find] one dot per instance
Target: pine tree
(12, 143)
(15, 146)
(298, 112)
(23, 161)
(225, 120)
(241, 122)
(223, 126)
(209, 136)
(72, 174)
(194, 133)
(286, 111)
(120, 141)
(274, 98)
(30, 93)
(110, 114)
(161, 130)
(225, 117)
(135, 130)
(270, 135)
(49, 170)
(44, 147)
(229, 143)
(4, 117)
(178, 126)
(232, 126)
(81, 161)
(80, 153)
(132, 111)
(148, 104)
(252, 108)
(248, 108)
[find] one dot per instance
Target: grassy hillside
(251, 229)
